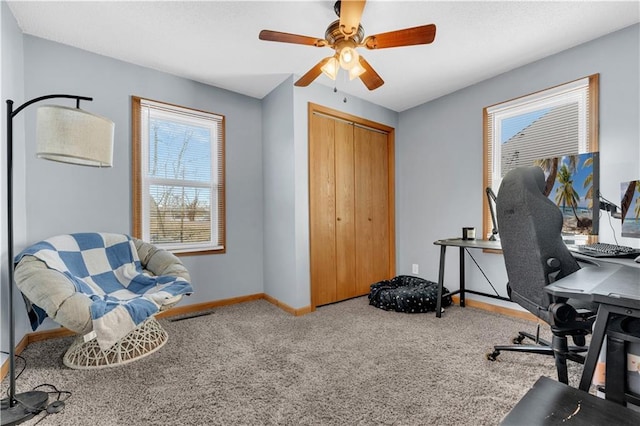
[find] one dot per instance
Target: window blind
(554, 122)
(182, 177)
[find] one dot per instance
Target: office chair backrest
(530, 233)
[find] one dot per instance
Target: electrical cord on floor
(54, 407)
(24, 366)
(57, 405)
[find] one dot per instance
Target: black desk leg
(440, 281)
(599, 329)
(462, 277)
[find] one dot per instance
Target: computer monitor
(630, 206)
(573, 185)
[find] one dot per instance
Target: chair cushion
(107, 270)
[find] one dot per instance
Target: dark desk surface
(609, 283)
(495, 245)
(550, 402)
(476, 244)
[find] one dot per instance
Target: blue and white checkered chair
(105, 287)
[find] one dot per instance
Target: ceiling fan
(344, 36)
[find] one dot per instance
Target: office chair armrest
(565, 316)
(562, 314)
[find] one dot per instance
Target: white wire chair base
(147, 338)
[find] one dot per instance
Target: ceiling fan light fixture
(330, 69)
(356, 71)
(349, 57)
(346, 34)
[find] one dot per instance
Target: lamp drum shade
(71, 135)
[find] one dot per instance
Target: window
(559, 121)
(178, 177)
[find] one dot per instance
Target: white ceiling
(216, 42)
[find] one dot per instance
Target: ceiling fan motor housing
(333, 34)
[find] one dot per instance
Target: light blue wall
(12, 87)
(286, 169)
(279, 193)
(63, 198)
(439, 151)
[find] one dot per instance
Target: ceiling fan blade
(350, 14)
(370, 77)
(312, 74)
(424, 34)
(269, 35)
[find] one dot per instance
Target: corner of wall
(11, 87)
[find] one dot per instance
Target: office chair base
(532, 349)
(572, 354)
(558, 349)
(523, 334)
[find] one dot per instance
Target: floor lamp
(68, 135)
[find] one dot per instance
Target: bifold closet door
(346, 252)
(349, 209)
(372, 208)
(331, 206)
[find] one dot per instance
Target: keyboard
(607, 250)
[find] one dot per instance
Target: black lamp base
(28, 405)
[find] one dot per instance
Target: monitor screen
(630, 206)
(572, 184)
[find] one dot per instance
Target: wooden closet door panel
(322, 201)
(372, 215)
(380, 206)
(345, 212)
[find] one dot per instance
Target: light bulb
(356, 71)
(348, 58)
(330, 69)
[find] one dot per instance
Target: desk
(495, 245)
(616, 287)
(463, 245)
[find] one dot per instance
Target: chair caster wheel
(492, 356)
(517, 340)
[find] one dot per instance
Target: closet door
(322, 209)
(346, 251)
(332, 231)
(372, 208)
(351, 221)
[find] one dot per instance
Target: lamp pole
(21, 407)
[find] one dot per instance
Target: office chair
(534, 254)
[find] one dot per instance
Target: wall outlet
(415, 269)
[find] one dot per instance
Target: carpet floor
(344, 364)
